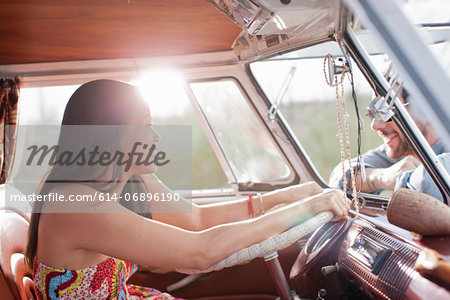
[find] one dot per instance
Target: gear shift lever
(278, 277)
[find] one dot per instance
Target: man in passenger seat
(394, 164)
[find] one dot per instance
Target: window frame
(402, 119)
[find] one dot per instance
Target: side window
(309, 105)
(169, 105)
(44, 105)
(248, 152)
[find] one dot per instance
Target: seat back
(13, 237)
(5, 291)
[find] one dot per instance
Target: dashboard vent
(396, 273)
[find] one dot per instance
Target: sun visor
(268, 24)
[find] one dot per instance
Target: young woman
(89, 255)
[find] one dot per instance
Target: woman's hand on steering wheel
(329, 200)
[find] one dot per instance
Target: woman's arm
(237, 210)
(133, 238)
(206, 216)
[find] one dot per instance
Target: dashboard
(383, 265)
(365, 257)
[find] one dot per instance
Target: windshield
(432, 21)
(296, 84)
(309, 104)
(420, 133)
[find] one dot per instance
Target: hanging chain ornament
(335, 78)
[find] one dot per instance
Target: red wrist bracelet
(251, 213)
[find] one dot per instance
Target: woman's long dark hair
(99, 102)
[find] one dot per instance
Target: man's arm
(384, 178)
(381, 171)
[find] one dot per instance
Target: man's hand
(385, 178)
(391, 174)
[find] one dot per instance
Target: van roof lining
(70, 30)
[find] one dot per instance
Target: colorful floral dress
(107, 280)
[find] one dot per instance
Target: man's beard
(403, 148)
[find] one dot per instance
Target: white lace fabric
(275, 243)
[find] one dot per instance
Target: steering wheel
(269, 246)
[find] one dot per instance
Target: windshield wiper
(270, 114)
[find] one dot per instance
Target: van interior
(257, 83)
